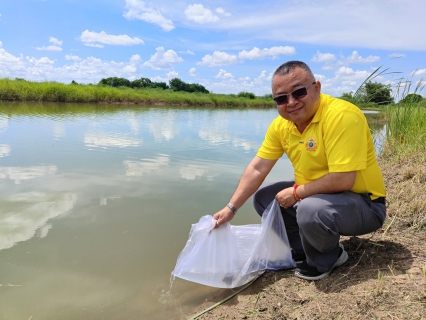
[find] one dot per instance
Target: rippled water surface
(96, 203)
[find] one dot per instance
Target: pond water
(96, 203)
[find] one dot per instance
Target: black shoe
(298, 257)
(307, 272)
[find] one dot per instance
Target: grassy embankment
(19, 90)
(403, 162)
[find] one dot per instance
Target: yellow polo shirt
(338, 139)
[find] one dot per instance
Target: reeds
(406, 127)
(21, 90)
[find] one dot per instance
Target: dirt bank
(385, 277)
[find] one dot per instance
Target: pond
(97, 203)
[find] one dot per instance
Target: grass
(406, 124)
(21, 90)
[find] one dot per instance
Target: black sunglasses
(297, 94)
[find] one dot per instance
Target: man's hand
(286, 198)
(223, 216)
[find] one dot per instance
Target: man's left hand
(286, 198)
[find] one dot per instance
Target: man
(338, 187)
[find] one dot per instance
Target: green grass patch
(22, 90)
(405, 128)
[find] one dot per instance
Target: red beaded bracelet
(296, 196)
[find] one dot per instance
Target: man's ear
(318, 86)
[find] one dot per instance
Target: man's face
(302, 110)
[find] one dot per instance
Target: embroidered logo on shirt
(311, 144)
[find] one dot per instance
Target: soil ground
(384, 278)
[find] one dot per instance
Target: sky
(226, 46)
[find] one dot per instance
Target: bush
(412, 98)
(248, 95)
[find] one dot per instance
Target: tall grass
(20, 90)
(406, 128)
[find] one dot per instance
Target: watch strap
(232, 207)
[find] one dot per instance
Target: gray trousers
(314, 224)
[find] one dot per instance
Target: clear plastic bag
(230, 256)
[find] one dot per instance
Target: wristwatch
(231, 206)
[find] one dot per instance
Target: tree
(347, 96)
(178, 85)
(116, 82)
(248, 95)
(412, 98)
(161, 85)
(378, 93)
(141, 83)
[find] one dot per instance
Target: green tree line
(175, 84)
(378, 93)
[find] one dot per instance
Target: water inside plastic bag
(230, 256)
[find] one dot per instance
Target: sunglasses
(297, 94)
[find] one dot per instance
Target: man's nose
(291, 100)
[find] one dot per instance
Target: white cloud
(224, 75)
(72, 57)
(172, 74)
(94, 45)
(86, 70)
(263, 77)
(133, 66)
(192, 72)
(420, 72)
(364, 25)
(356, 58)
(349, 72)
(396, 55)
(187, 52)
(90, 37)
(163, 59)
(55, 41)
(137, 9)
(323, 57)
(49, 48)
(56, 45)
(219, 58)
(199, 14)
(221, 11)
(273, 52)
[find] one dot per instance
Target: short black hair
(285, 68)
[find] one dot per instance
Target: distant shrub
(412, 98)
(248, 95)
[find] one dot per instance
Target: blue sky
(227, 46)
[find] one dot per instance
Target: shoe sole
(343, 258)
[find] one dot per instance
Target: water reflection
(164, 127)
(24, 214)
(19, 174)
(192, 171)
(4, 123)
(139, 168)
(105, 141)
(58, 130)
(4, 150)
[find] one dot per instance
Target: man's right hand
(223, 216)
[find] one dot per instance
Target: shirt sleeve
(272, 146)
